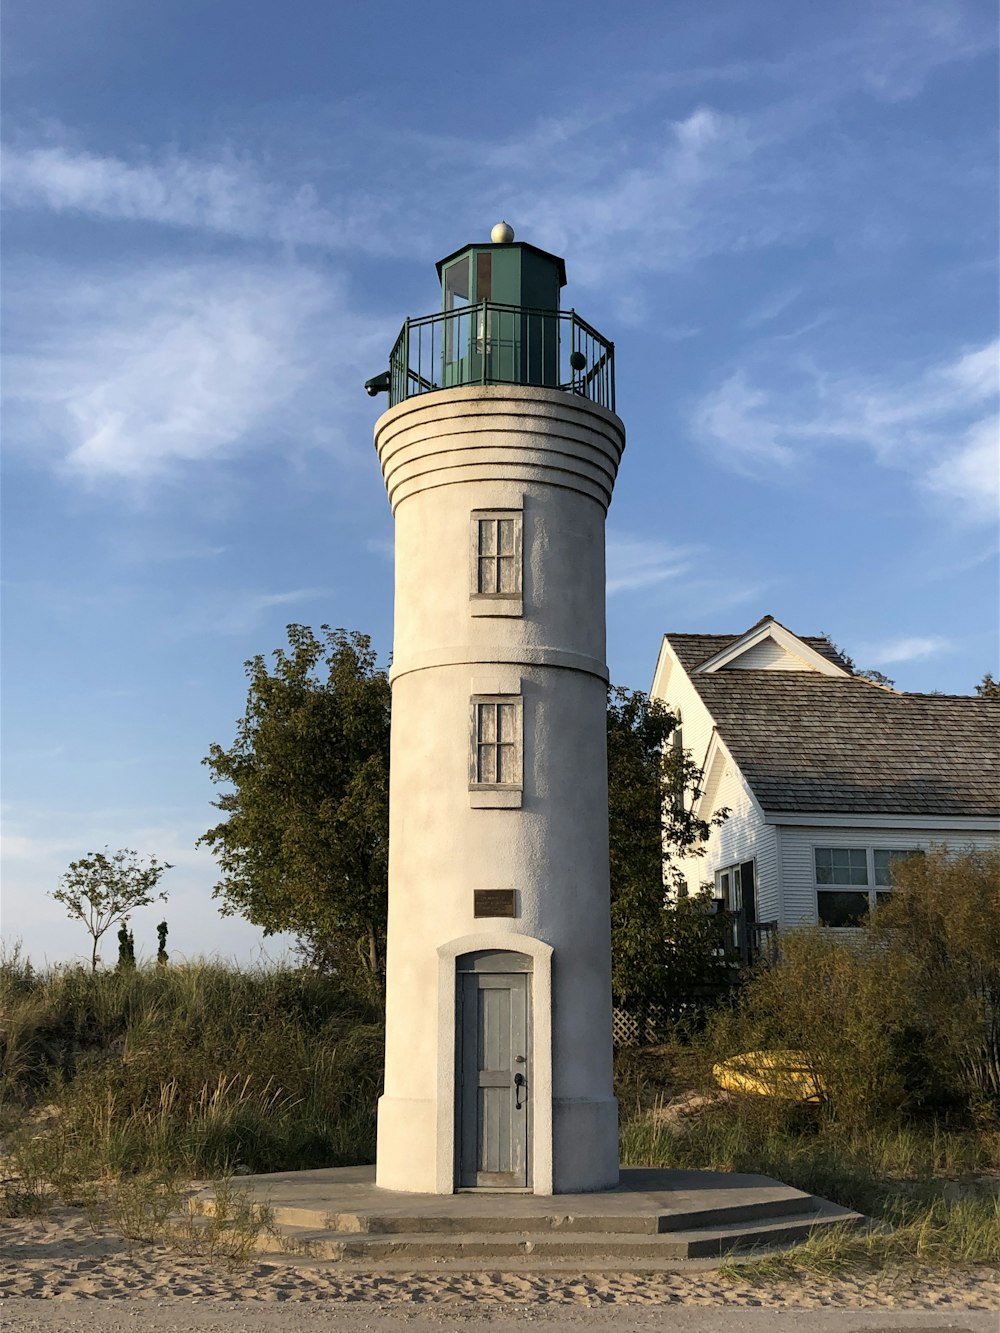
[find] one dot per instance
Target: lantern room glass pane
(484, 276)
(456, 285)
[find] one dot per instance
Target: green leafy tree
(106, 887)
(988, 688)
(304, 843)
(161, 945)
(657, 948)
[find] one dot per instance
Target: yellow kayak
(770, 1074)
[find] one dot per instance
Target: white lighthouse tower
(499, 451)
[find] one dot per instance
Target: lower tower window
(496, 760)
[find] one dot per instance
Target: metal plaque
(494, 902)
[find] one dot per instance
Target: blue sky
(217, 216)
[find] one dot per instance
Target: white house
(827, 775)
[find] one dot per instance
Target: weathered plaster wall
(554, 457)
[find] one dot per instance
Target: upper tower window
(497, 573)
(496, 562)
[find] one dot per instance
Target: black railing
(491, 343)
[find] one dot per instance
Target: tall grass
(919, 1179)
(193, 1069)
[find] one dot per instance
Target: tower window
(496, 574)
(496, 562)
(496, 760)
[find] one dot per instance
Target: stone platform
(653, 1217)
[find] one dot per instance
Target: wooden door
(493, 1092)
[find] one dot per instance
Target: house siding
(743, 837)
(797, 866)
(768, 655)
(672, 686)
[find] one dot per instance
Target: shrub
(939, 934)
(900, 1019)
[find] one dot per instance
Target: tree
(876, 677)
(126, 949)
(161, 945)
(106, 887)
(988, 688)
(304, 844)
(652, 786)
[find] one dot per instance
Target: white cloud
(772, 307)
(637, 563)
(970, 475)
(630, 183)
(228, 195)
(132, 373)
(906, 649)
(938, 424)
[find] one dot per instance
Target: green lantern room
(498, 302)
(500, 323)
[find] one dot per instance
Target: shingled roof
(693, 649)
(807, 742)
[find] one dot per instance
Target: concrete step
(762, 1232)
(655, 1217)
(786, 1203)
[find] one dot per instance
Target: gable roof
(806, 742)
(694, 649)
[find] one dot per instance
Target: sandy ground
(59, 1275)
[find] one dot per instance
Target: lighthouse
(499, 450)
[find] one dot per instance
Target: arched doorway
(493, 1074)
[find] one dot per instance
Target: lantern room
(499, 323)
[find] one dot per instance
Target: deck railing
(492, 343)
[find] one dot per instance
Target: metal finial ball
(502, 234)
(577, 360)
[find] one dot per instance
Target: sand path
(58, 1276)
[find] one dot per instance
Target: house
(827, 776)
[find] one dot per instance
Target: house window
(496, 759)
(851, 881)
(884, 860)
(496, 562)
(735, 886)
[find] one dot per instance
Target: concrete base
(652, 1217)
(584, 1146)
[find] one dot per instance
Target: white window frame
(496, 795)
(871, 888)
(497, 603)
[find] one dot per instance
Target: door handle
(519, 1082)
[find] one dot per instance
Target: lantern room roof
(513, 245)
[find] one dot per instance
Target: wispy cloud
(772, 307)
(135, 372)
(228, 194)
(634, 563)
(906, 649)
(675, 166)
(938, 423)
(236, 612)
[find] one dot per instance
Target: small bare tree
(105, 887)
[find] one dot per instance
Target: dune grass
(189, 1071)
(929, 1187)
(117, 1088)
